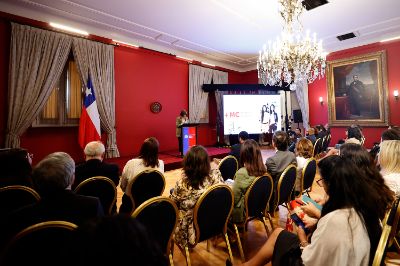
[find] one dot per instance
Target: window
(63, 107)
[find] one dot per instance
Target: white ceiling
(227, 33)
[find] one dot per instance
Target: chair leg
(171, 260)
(270, 220)
(208, 245)
(239, 244)
(265, 225)
(187, 255)
(229, 248)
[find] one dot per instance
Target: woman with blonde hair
(304, 151)
(389, 160)
(253, 166)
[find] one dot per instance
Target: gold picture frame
(358, 91)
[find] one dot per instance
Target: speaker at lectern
(189, 136)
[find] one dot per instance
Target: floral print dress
(185, 198)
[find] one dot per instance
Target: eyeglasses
(319, 182)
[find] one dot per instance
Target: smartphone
(337, 146)
(299, 222)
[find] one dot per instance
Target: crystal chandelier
(291, 58)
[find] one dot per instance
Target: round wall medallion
(155, 107)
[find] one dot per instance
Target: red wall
(319, 114)
(141, 77)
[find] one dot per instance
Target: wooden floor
(252, 241)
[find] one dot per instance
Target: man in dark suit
(277, 163)
(94, 165)
(235, 149)
(52, 178)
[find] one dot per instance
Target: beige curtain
(37, 59)
(97, 59)
(198, 99)
(220, 77)
(302, 98)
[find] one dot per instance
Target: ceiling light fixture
(291, 58)
(67, 28)
(126, 43)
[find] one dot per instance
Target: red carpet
(171, 158)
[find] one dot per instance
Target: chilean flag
(89, 124)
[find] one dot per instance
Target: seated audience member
(349, 229)
(360, 156)
(311, 135)
(321, 131)
(253, 166)
(389, 134)
(389, 161)
(198, 175)
(277, 163)
(354, 135)
(16, 169)
(304, 151)
(53, 178)
(235, 149)
(116, 240)
(294, 138)
(94, 165)
(147, 160)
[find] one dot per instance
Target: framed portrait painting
(357, 90)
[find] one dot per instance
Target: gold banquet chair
(101, 187)
(46, 243)
(16, 196)
(228, 167)
(256, 202)
(388, 236)
(145, 185)
(285, 187)
(211, 214)
(308, 175)
(160, 216)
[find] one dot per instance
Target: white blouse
(340, 239)
(392, 180)
(134, 167)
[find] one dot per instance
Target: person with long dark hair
(349, 228)
(253, 166)
(197, 176)
(16, 169)
(147, 160)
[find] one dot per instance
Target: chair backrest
(258, 196)
(326, 142)
(308, 174)
(45, 243)
(160, 216)
(146, 185)
(101, 187)
(228, 167)
(212, 211)
(389, 230)
(317, 147)
(285, 185)
(15, 197)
